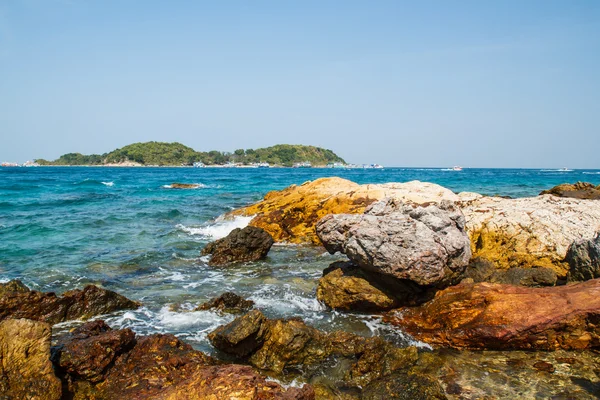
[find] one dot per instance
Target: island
(177, 154)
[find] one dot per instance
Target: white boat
(457, 168)
(199, 164)
(565, 169)
(263, 165)
(372, 166)
(304, 164)
(336, 165)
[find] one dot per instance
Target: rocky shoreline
(478, 279)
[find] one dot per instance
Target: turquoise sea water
(125, 229)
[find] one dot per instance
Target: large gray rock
(424, 244)
(584, 259)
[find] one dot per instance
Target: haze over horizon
(477, 84)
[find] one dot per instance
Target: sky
(399, 83)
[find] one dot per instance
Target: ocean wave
(591, 173)
(109, 184)
(93, 182)
(556, 170)
(219, 229)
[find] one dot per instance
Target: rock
(578, 190)
(290, 215)
(274, 345)
(404, 386)
(184, 186)
(101, 363)
(583, 258)
(426, 245)
(481, 270)
(241, 245)
(25, 368)
(47, 307)
(227, 302)
(14, 286)
(494, 316)
(528, 232)
(345, 286)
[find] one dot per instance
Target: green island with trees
(177, 154)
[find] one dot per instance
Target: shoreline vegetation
(158, 154)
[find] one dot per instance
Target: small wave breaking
(219, 229)
(109, 184)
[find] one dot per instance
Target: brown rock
(155, 367)
(346, 287)
(494, 316)
(482, 270)
(25, 368)
(184, 186)
(241, 245)
(74, 304)
(227, 302)
(290, 215)
(578, 190)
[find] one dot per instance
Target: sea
(127, 230)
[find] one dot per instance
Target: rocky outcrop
(426, 245)
(578, 190)
(17, 301)
(184, 186)
(494, 316)
(98, 362)
(347, 287)
(241, 245)
(481, 270)
(290, 215)
(583, 258)
(227, 302)
(25, 368)
(528, 232)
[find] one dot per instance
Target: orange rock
(494, 316)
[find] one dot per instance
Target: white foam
(556, 170)
(4, 280)
(219, 229)
(591, 173)
(108, 183)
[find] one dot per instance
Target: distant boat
(9, 164)
(263, 165)
(199, 164)
(457, 168)
(304, 164)
(565, 169)
(372, 166)
(336, 165)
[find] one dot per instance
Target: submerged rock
(184, 185)
(290, 215)
(578, 190)
(98, 362)
(528, 232)
(241, 245)
(494, 316)
(481, 270)
(347, 287)
(25, 368)
(426, 245)
(18, 301)
(227, 302)
(583, 258)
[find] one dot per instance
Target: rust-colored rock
(228, 302)
(25, 368)
(290, 215)
(578, 190)
(17, 301)
(495, 316)
(155, 367)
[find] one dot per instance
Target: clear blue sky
(427, 83)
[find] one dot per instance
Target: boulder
(578, 190)
(583, 258)
(481, 270)
(227, 302)
(48, 307)
(98, 362)
(290, 215)
(495, 316)
(404, 387)
(184, 186)
(426, 245)
(274, 345)
(528, 232)
(241, 245)
(25, 368)
(347, 287)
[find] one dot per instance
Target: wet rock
(241, 245)
(578, 190)
(48, 307)
(528, 232)
(426, 245)
(481, 270)
(275, 345)
(227, 302)
(14, 286)
(290, 215)
(184, 186)
(404, 386)
(583, 258)
(154, 367)
(25, 368)
(544, 366)
(494, 316)
(345, 286)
